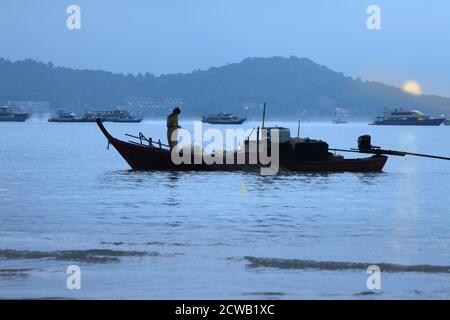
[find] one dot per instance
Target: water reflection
(371, 178)
(172, 182)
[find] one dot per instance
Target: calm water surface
(65, 199)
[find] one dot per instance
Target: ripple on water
(87, 256)
(340, 265)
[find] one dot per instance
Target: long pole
(264, 115)
(392, 153)
(298, 129)
(257, 145)
(426, 155)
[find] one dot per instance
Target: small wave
(415, 291)
(113, 243)
(367, 293)
(10, 273)
(174, 244)
(268, 293)
(50, 298)
(88, 256)
(150, 243)
(336, 265)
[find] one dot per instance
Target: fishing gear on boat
(365, 146)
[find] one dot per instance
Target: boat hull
(65, 121)
(127, 121)
(15, 118)
(143, 157)
(429, 122)
(240, 121)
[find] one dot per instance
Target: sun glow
(412, 87)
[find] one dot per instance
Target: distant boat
(340, 115)
(65, 116)
(117, 116)
(340, 121)
(8, 114)
(90, 116)
(222, 118)
(399, 117)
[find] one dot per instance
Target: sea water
(66, 200)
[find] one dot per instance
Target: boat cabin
(291, 149)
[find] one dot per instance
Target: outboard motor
(365, 143)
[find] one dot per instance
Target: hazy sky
(171, 36)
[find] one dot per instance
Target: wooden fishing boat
(304, 156)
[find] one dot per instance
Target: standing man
(172, 126)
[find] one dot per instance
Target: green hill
(289, 85)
